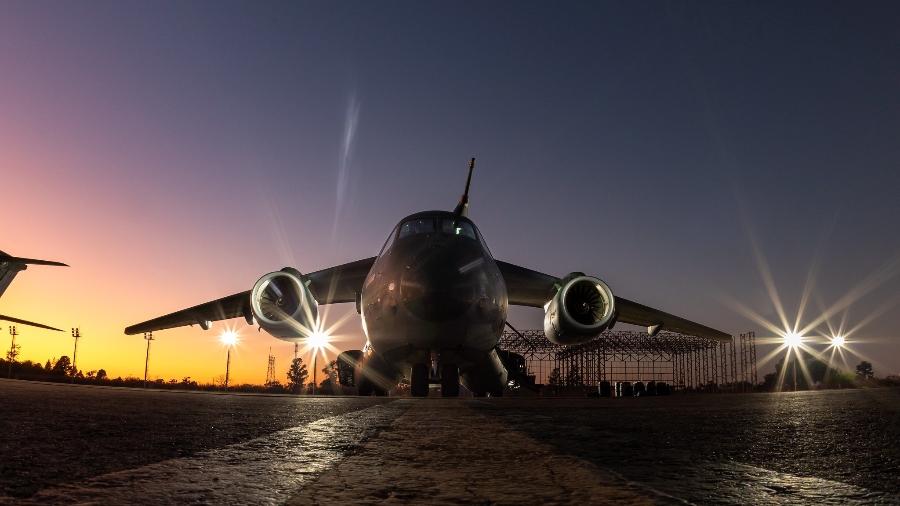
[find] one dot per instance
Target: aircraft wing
(26, 322)
(328, 286)
(219, 309)
(526, 287)
(341, 283)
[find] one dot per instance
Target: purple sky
(179, 150)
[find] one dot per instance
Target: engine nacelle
(582, 309)
(283, 305)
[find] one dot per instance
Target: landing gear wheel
(365, 387)
(418, 381)
(449, 380)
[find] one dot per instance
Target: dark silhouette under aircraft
(10, 266)
(433, 305)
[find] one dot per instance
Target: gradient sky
(174, 152)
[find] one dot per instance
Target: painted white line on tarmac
(265, 470)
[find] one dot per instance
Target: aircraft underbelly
(401, 329)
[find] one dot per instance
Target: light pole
(227, 367)
(148, 336)
(229, 339)
(315, 368)
(12, 349)
(315, 342)
(76, 333)
(795, 374)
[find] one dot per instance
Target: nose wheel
(449, 380)
(418, 380)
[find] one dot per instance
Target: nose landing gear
(449, 380)
(422, 375)
(418, 380)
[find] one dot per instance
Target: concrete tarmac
(77, 444)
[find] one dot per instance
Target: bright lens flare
(838, 341)
(229, 338)
(318, 340)
(793, 339)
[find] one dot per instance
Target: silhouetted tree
(573, 377)
(101, 375)
(297, 375)
(864, 370)
(13, 353)
(62, 367)
(554, 380)
(330, 382)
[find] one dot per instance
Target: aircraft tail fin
(10, 266)
(32, 261)
(462, 209)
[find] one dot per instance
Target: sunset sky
(172, 153)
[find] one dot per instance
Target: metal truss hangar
(687, 363)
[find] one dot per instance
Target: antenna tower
(270, 372)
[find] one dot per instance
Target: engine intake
(582, 309)
(283, 305)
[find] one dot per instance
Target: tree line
(62, 370)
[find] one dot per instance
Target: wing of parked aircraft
(526, 287)
(26, 322)
(328, 286)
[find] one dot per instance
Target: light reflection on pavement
(814, 448)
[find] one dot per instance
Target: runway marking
(264, 470)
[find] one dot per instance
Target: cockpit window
(389, 242)
(456, 227)
(417, 226)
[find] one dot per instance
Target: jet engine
(582, 308)
(283, 305)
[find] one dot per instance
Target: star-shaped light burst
(793, 339)
(229, 338)
(319, 339)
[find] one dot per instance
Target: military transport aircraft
(433, 305)
(9, 267)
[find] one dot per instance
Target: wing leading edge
(526, 287)
(329, 286)
(26, 322)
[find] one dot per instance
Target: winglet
(462, 209)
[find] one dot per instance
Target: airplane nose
(436, 289)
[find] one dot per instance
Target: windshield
(389, 241)
(435, 224)
(417, 226)
(455, 227)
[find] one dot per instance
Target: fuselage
(434, 289)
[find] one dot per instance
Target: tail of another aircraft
(10, 266)
(8, 271)
(462, 209)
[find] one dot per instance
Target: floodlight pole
(315, 368)
(12, 349)
(227, 367)
(148, 336)
(795, 373)
(76, 333)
